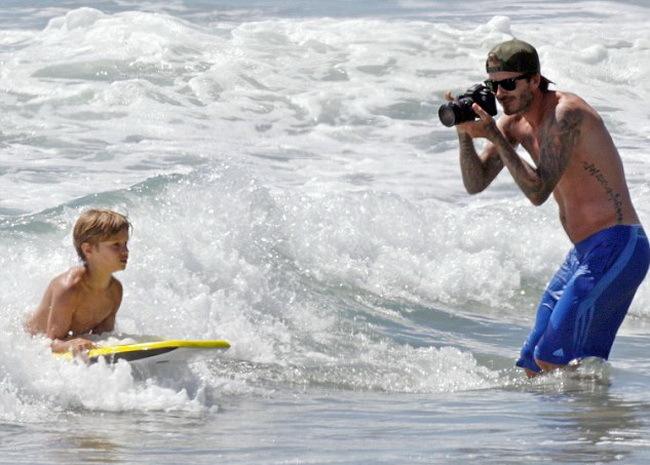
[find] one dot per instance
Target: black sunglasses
(506, 84)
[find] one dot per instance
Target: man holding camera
(575, 160)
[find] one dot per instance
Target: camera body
(460, 110)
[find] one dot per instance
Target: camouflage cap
(513, 55)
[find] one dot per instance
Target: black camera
(460, 110)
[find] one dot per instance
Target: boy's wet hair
(95, 225)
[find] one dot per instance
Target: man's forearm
(471, 166)
(522, 172)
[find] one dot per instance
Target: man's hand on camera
(485, 126)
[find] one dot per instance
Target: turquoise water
(292, 191)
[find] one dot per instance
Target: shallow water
(292, 191)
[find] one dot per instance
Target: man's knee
(547, 366)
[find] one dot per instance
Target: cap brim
(545, 79)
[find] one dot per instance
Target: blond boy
(85, 299)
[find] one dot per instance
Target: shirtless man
(576, 161)
(85, 299)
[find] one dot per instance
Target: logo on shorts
(559, 352)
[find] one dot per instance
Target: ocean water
(292, 191)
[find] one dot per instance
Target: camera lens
(447, 114)
(460, 110)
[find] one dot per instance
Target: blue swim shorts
(587, 299)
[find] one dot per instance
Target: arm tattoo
(557, 144)
(477, 174)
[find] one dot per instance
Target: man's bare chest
(531, 144)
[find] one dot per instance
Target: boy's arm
(64, 300)
(61, 311)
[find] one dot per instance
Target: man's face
(517, 100)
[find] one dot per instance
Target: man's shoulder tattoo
(557, 142)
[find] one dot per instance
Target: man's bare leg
(547, 366)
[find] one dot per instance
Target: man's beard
(525, 100)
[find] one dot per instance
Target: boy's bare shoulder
(116, 286)
(69, 282)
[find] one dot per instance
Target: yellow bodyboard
(162, 350)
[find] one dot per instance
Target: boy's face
(111, 254)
